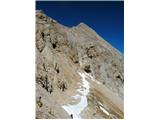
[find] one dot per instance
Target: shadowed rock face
(62, 52)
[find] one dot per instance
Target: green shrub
(39, 103)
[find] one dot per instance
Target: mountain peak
(82, 24)
(77, 74)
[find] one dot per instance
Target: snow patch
(89, 76)
(76, 109)
(100, 103)
(104, 110)
(76, 96)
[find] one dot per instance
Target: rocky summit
(78, 74)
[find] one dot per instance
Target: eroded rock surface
(61, 53)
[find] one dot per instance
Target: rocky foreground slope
(78, 74)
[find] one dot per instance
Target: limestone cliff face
(61, 53)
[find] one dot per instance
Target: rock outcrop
(63, 52)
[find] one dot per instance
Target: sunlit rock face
(78, 74)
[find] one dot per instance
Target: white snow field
(76, 109)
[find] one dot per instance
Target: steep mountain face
(78, 74)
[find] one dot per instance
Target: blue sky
(105, 17)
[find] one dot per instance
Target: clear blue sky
(105, 17)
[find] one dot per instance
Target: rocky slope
(78, 74)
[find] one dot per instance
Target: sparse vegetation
(87, 69)
(51, 112)
(39, 102)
